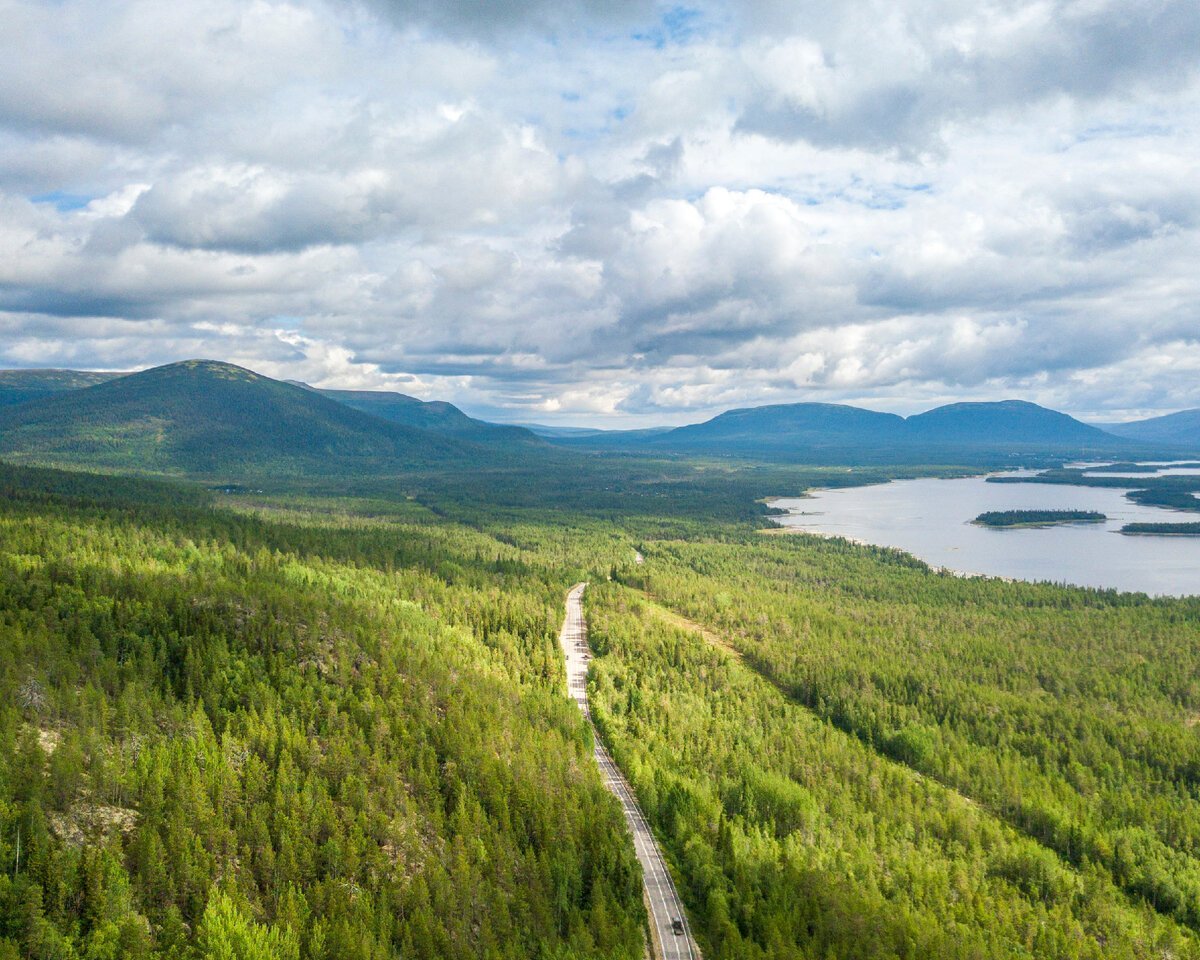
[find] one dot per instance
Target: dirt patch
(86, 819)
(48, 740)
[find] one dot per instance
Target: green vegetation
(237, 431)
(201, 418)
(328, 720)
(1010, 432)
(18, 386)
(437, 416)
(1175, 491)
(1163, 529)
(948, 744)
(1124, 466)
(298, 734)
(1037, 518)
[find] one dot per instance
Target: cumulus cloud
(893, 76)
(609, 211)
(465, 173)
(483, 20)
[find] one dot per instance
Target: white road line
(665, 904)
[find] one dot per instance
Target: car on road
(677, 927)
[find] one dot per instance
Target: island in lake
(1037, 518)
(1163, 529)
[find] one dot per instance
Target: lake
(931, 519)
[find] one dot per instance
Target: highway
(661, 896)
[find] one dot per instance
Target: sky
(613, 213)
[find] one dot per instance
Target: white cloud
(611, 210)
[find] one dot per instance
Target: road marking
(665, 904)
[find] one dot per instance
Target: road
(661, 895)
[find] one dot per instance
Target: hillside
(226, 737)
(787, 425)
(824, 431)
(814, 432)
(302, 728)
(17, 386)
(206, 418)
(436, 416)
(1182, 428)
(918, 736)
(1003, 422)
(202, 417)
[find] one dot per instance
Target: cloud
(125, 71)
(482, 21)
(611, 211)
(893, 77)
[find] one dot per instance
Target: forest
(327, 724)
(1037, 518)
(1163, 529)
(1173, 491)
(1034, 742)
(295, 735)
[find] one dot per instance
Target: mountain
(786, 426)
(17, 386)
(205, 417)
(830, 432)
(202, 417)
(1001, 423)
(1182, 428)
(640, 439)
(549, 430)
(436, 416)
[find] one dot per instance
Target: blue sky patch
(62, 201)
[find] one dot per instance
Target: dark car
(677, 927)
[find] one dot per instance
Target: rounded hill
(208, 417)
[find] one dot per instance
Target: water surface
(931, 519)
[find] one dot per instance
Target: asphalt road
(665, 906)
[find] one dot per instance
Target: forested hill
(235, 737)
(1181, 428)
(202, 417)
(1005, 421)
(436, 416)
(156, 421)
(17, 386)
(255, 727)
(787, 425)
(826, 432)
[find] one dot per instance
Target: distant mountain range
(784, 426)
(206, 418)
(831, 432)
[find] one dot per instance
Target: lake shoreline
(1150, 533)
(855, 541)
(931, 520)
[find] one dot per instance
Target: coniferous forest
(233, 736)
(309, 725)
